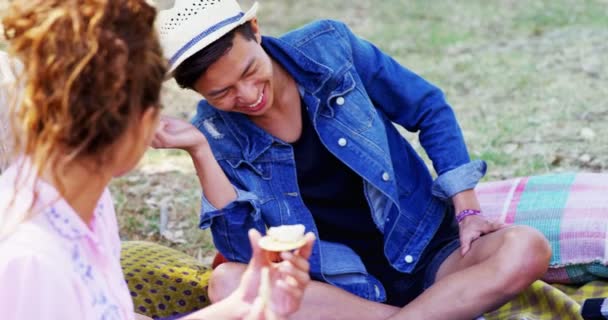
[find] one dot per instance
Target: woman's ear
(148, 123)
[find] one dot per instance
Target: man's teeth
(255, 104)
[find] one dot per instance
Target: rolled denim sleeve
(230, 225)
(462, 178)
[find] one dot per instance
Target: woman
(93, 71)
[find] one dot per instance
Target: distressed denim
(353, 93)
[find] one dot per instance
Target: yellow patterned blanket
(542, 301)
(165, 283)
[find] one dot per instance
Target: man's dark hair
(192, 68)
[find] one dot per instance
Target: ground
(528, 81)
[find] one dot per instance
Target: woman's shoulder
(25, 230)
(15, 199)
(29, 245)
(32, 270)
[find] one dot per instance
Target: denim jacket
(353, 93)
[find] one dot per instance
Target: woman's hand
(288, 280)
(178, 134)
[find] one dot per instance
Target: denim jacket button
(386, 176)
(342, 142)
(340, 101)
(409, 259)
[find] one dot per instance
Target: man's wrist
(461, 215)
(198, 151)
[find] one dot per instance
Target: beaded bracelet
(465, 213)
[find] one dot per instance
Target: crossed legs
(498, 266)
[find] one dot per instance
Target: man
(299, 130)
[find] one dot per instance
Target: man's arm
(229, 211)
(419, 106)
(409, 100)
(179, 134)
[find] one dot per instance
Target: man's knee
(525, 257)
(224, 280)
(530, 247)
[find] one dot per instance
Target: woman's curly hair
(90, 68)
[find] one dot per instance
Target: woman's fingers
(258, 258)
(288, 270)
(298, 261)
(306, 250)
(293, 291)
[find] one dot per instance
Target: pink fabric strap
(465, 213)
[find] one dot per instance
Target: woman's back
(54, 258)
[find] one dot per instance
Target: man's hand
(473, 227)
(178, 134)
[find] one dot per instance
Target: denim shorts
(401, 288)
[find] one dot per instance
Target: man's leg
(498, 266)
(321, 301)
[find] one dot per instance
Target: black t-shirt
(332, 192)
(334, 195)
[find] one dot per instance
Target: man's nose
(247, 93)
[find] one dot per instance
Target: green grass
(523, 77)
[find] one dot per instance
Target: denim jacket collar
(309, 75)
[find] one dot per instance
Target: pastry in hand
(283, 238)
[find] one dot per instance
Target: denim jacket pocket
(350, 106)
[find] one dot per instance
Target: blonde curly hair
(90, 68)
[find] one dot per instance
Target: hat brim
(214, 36)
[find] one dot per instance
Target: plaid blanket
(544, 301)
(570, 209)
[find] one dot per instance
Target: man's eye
(220, 95)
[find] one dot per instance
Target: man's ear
(255, 27)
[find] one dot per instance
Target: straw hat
(191, 25)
